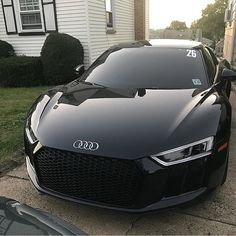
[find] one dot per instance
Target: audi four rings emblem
(86, 145)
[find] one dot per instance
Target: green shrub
(60, 54)
(6, 49)
(21, 72)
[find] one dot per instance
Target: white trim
(113, 12)
(19, 22)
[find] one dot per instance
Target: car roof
(174, 43)
(164, 43)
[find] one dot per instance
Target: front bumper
(127, 185)
(162, 204)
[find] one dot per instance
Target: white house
(98, 24)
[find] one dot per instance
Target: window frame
(20, 23)
(110, 28)
(13, 23)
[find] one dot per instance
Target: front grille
(92, 178)
(186, 177)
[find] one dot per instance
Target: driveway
(215, 215)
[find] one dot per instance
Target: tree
(177, 25)
(212, 20)
(156, 33)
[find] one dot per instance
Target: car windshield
(149, 67)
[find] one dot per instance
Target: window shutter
(49, 15)
(9, 16)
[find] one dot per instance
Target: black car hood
(126, 123)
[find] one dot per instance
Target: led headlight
(185, 153)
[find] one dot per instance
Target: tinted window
(213, 55)
(149, 67)
(210, 65)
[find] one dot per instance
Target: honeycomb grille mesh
(91, 178)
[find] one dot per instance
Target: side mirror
(228, 74)
(79, 70)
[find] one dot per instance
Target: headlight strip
(207, 144)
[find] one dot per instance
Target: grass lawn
(14, 105)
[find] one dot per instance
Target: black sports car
(146, 127)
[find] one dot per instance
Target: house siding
(100, 40)
(71, 18)
(86, 21)
(30, 45)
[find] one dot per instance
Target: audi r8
(145, 127)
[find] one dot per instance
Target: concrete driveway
(215, 215)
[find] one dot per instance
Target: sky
(162, 12)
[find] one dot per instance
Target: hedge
(6, 49)
(60, 54)
(21, 72)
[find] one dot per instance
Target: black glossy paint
(124, 124)
(131, 124)
(20, 219)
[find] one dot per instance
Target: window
(30, 14)
(29, 17)
(213, 56)
(211, 67)
(109, 14)
(149, 67)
